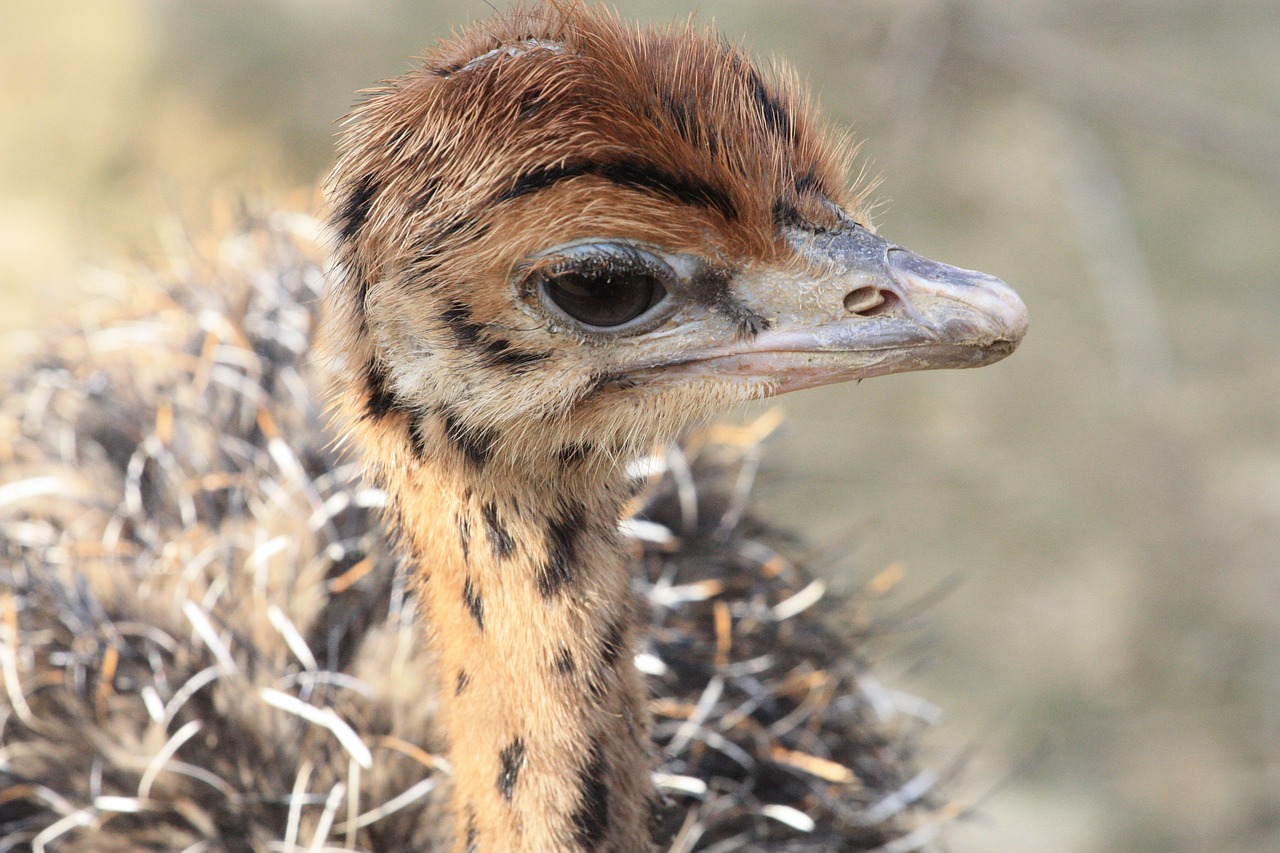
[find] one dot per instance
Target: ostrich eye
(605, 287)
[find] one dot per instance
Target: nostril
(870, 301)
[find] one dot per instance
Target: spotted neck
(526, 597)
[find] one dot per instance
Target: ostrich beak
(864, 307)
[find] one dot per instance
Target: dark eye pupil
(602, 295)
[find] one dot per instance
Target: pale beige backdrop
(1106, 503)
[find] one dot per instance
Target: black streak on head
(466, 331)
(591, 818)
(472, 844)
(775, 114)
(355, 209)
(463, 680)
(500, 353)
(542, 178)
(441, 238)
(633, 174)
(474, 602)
(562, 550)
(785, 215)
(512, 759)
(475, 445)
(494, 351)
(807, 181)
(683, 114)
(713, 288)
(639, 175)
(499, 538)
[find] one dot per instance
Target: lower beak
(867, 308)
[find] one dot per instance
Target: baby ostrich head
(560, 240)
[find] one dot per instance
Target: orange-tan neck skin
(528, 608)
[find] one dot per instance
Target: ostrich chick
(560, 240)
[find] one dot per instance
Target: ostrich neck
(527, 598)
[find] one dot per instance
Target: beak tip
(992, 315)
(1008, 311)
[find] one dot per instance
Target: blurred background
(1102, 511)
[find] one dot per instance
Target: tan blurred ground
(1109, 498)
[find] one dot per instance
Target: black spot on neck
(381, 400)
(472, 845)
(416, 442)
(499, 538)
(591, 818)
(562, 550)
(564, 663)
(355, 208)
(512, 759)
(634, 487)
(613, 642)
(464, 536)
(474, 602)
(355, 272)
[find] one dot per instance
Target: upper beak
(866, 307)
